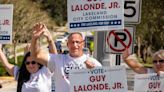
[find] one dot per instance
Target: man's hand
(89, 64)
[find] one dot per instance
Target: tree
(57, 9)
(24, 18)
(150, 29)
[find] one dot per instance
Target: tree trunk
(15, 53)
(139, 46)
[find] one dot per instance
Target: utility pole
(99, 53)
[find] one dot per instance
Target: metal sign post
(118, 59)
(117, 41)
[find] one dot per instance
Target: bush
(3, 72)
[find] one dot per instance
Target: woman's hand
(125, 54)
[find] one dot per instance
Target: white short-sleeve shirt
(151, 70)
(39, 81)
(61, 64)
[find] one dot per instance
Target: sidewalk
(8, 84)
(6, 79)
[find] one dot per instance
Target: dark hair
(23, 74)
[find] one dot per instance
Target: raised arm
(38, 55)
(52, 47)
(27, 48)
(132, 62)
(9, 67)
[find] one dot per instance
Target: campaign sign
(102, 79)
(96, 15)
(6, 18)
(149, 83)
(53, 83)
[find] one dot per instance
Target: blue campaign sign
(96, 15)
(4, 37)
(95, 23)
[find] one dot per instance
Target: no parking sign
(118, 40)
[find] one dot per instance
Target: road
(9, 87)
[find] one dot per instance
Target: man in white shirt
(61, 64)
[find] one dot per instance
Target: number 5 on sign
(132, 11)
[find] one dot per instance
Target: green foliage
(26, 14)
(25, 17)
(2, 69)
(91, 47)
(148, 62)
(150, 29)
(57, 9)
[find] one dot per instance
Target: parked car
(86, 51)
(66, 34)
(61, 39)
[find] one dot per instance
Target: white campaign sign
(118, 40)
(95, 15)
(149, 83)
(103, 79)
(53, 83)
(6, 18)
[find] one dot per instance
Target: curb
(6, 79)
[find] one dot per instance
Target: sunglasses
(160, 61)
(77, 42)
(28, 62)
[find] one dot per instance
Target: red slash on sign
(125, 43)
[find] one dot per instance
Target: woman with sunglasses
(158, 63)
(31, 76)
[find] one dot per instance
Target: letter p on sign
(118, 40)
